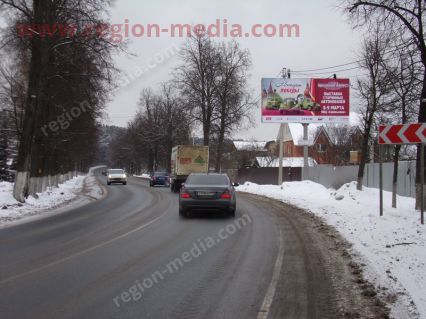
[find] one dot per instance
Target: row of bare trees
(161, 123)
(54, 88)
(393, 57)
(208, 93)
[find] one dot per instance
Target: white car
(116, 176)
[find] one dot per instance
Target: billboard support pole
(280, 168)
(305, 151)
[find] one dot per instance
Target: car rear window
(207, 180)
(116, 171)
(160, 174)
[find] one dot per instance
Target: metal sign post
(381, 178)
(399, 134)
(422, 170)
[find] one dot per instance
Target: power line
(330, 72)
(328, 68)
(349, 63)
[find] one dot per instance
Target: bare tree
(373, 90)
(403, 17)
(196, 78)
(405, 76)
(233, 99)
(176, 120)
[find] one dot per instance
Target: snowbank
(11, 210)
(55, 197)
(392, 247)
(145, 176)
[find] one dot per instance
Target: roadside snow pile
(391, 246)
(145, 176)
(92, 188)
(11, 210)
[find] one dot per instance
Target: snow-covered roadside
(144, 176)
(391, 247)
(92, 188)
(56, 197)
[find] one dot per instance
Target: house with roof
(336, 145)
(244, 153)
(318, 141)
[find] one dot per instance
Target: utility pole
(305, 173)
(286, 74)
(281, 141)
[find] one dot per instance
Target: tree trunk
(206, 132)
(34, 105)
(151, 160)
(395, 174)
(169, 147)
(155, 157)
(364, 152)
(220, 147)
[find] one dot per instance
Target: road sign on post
(414, 133)
(402, 134)
(381, 178)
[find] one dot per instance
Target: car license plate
(205, 194)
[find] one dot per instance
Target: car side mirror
(235, 184)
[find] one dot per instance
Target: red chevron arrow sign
(402, 133)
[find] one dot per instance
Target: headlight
(124, 176)
(109, 176)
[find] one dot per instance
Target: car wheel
(232, 213)
(125, 183)
(108, 183)
(182, 213)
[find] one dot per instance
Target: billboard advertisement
(305, 100)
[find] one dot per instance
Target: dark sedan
(159, 178)
(207, 192)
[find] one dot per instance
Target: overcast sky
(326, 39)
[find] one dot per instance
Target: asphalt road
(129, 255)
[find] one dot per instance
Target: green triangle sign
(199, 160)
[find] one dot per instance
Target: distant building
(244, 153)
(326, 144)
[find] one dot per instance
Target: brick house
(293, 142)
(324, 148)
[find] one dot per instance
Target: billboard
(305, 100)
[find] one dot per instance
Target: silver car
(116, 176)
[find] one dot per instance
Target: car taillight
(185, 195)
(226, 195)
